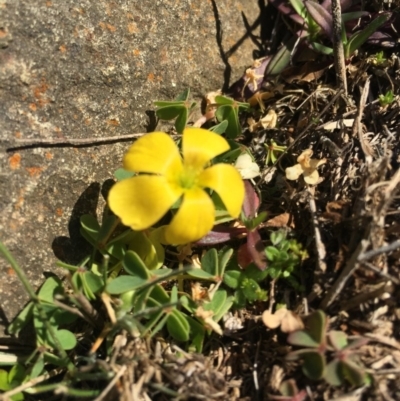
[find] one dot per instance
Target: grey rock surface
(80, 69)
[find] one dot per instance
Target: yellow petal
(193, 220)
(142, 200)
(199, 146)
(294, 172)
(226, 181)
(153, 153)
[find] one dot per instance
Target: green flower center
(188, 178)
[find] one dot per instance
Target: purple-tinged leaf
(353, 373)
(333, 373)
(282, 57)
(321, 16)
(244, 87)
(381, 39)
(251, 201)
(354, 15)
(314, 364)
(284, 8)
(302, 339)
(255, 247)
(298, 5)
(359, 38)
(338, 339)
(220, 234)
(356, 343)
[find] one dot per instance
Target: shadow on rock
(74, 248)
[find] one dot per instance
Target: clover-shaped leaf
(228, 109)
(178, 109)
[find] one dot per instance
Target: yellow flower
(307, 167)
(164, 177)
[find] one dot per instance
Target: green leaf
(232, 278)
(125, 283)
(353, 373)
(220, 304)
(299, 7)
(197, 334)
(181, 120)
(38, 367)
(174, 294)
(135, 266)
(169, 112)
(334, 373)
(282, 57)
(220, 128)
(359, 38)
(209, 262)
(322, 49)
(17, 375)
(90, 225)
(182, 97)
(250, 288)
(200, 274)
(253, 272)
(272, 253)
(66, 338)
(224, 257)
(122, 174)
(22, 319)
(314, 365)
(92, 284)
(51, 287)
(4, 385)
(178, 327)
(337, 339)
(277, 237)
(230, 114)
(316, 324)
(302, 339)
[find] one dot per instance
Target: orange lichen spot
(34, 171)
(18, 134)
(40, 89)
(111, 28)
(3, 33)
(151, 77)
(88, 121)
(20, 202)
(62, 48)
(10, 271)
(32, 106)
(113, 121)
(39, 93)
(15, 161)
(136, 52)
(59, 212)
(190, 53)
(48, 155)
(108, 27)
(49, 3)
(132, 27)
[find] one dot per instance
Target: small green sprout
(379, 59)
(386, 99)
(284, 256)
(272, 149)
